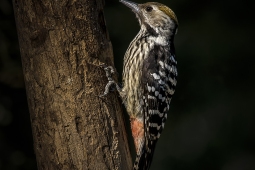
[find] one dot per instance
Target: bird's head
(156, 18)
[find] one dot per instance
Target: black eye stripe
(149, 8)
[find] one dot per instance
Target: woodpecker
(149, 77)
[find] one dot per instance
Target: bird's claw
(109, 70)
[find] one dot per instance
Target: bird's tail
(144, 158)
(140, 161)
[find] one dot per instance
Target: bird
(149, 77)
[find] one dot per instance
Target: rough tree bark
(62, 44)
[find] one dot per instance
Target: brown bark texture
(62, 44)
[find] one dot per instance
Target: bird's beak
(131, 5)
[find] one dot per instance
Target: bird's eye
(149, 8)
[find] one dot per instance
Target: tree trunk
(62, 44)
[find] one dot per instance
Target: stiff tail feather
(144, 156)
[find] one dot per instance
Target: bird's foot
(109, 70)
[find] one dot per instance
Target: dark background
(211, 125)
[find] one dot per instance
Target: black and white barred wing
(155, 112)
(159, 81)
(154, 119)
(154, 116)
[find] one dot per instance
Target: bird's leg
(109, 72)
